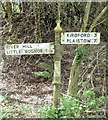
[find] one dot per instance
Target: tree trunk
(74, 74)
(37, 32)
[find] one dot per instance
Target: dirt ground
(18, 83)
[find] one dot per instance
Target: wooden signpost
(50, 48)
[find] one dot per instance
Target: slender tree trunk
(74, 74)
(73, 80)
(9, 9)
(37, 7)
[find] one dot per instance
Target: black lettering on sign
(16, 46)
(8, 52)
(37, 50)
(81, 40)
(11, 47)
(95, 40)
(84, 35)
(40, 50)
(78, 40)
(76, 35)
(28, 51)
(84, 40)
(13, 52)
(73, 40)
(33, 51)
(16, 51)
(88, 35)
(69, 40)
(67, 35)
(95, 35)
(88, 40)
(25, 51)
(71, 35)
(81, 35)
(27, 46)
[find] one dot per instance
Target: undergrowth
(73, 107)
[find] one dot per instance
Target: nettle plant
(47, 72)
(73, 107)
(80, 54)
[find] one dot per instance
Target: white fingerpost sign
(29, 49)
(80, 38)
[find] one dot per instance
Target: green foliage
(48, 111)
(17, 8)
(88, 93)
(68, 107)
(15, 109)
(80, 53)
(44, 74)
(46, 66)
(73, 107)
(48, 70)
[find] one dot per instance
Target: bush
(73, 107)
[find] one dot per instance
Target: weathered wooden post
(57, 63)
